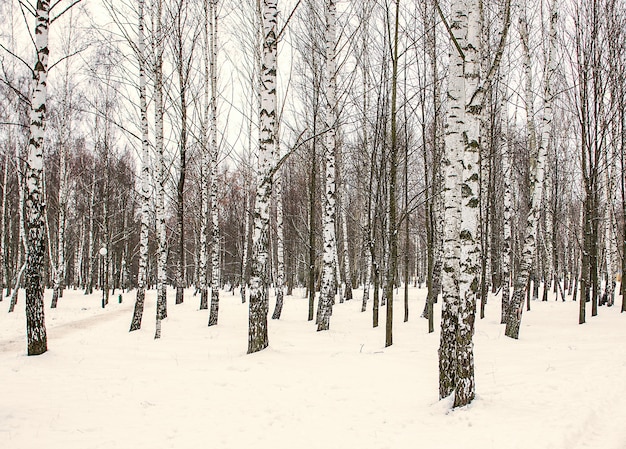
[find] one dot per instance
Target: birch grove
(131, 164)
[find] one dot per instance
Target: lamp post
(103, 253)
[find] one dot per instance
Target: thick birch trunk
(528, 251)
(451, 244)
(469, 232)
(327, 292)
(35, 202)
(257, 320)
(142, 277)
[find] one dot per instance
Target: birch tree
(327, 291)
(462, 246)
(159, 112)
(215, 229)
(145, 190)
(537, 185)
(258, 304)
(280, 236)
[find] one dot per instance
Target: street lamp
(103, 253)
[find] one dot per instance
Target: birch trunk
(142, 276)
(508, 204)
(183, 82)
(161, 312)
(609, 287)
(392, 264)
(205, 164)
(35, 202)
(246, 238)
(215, 228)
(327, 292)
(91, 237)
(280, 238)
(257, 320)
(528, 251)
(346, 248)
(4, 265)
(469, 232)
(451, 244)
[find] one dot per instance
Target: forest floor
(561, 385)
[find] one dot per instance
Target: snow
(99, 386)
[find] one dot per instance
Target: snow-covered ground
(560, 386)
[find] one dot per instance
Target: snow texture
(559, 386)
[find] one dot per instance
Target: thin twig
(452, 36)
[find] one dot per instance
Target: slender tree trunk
(280, 238)
(528, 252)
(35, 202)
(328, 272)
(346, 244)
(257, 328)
(312, 230)
(182, 151)
(159, 111)
(215, 226)
(392, 266)
(91, 237)
(508, 205)
(142, 276)
(4, 263)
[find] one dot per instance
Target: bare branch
(21, 125)
(17, 57)
(74, 3)
(27, 7)
(293, 11)
(80, 50)
(452, 36)
(22, 7)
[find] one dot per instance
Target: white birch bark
(215, 228)
(280, 238)
(451, 243)
(346, 245)
(4, 281)
(35, 201)
(508, 205)
(609, 287)
(160, 172)
(91, 236)
(549, 262)
(528, 251)
(205, 164)
(328, 256)
(469, 232)
(246, 238)
(257, 319)
(145, 176)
